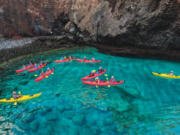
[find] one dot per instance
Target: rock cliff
(135, 23)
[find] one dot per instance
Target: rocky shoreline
(10, 49)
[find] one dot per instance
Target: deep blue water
(143, 105)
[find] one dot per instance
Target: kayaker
(91, 74)
(42, 73)
(41, 63)
(93, 59)
(23, 66)
(100, 70)
(48, 69)
(35, 66)
(61, 58)
(15, 96)
(30, 63)
(112, 79)
(171, 73)
(70, 58)
(97, 80)
(84, 58)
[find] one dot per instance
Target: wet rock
(118, 105)
(46, 110)
(69, 114)
(34, 126)
(92, 118)
(57, 95)
(78, 119)
(51, 117)
(67, 107)
(108, 121)
(28, 118)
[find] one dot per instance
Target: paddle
(94, 70)
(96, 85)
(107, 79)
(15, 103)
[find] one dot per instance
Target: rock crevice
(140, 23)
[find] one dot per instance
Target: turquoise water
(144, 104)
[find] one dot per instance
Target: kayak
(166, 75)
(96, 75)
(61, 61)
(102, 83)
(44, 75)
(39, 67)
(65, 60)
(22, 98)
(88, 61)
(27, 67)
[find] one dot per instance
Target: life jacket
(100, 70)
(112, 80)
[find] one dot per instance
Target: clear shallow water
(145, 104)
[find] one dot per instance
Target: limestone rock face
(138, 23)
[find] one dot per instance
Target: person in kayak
(15, 96)
(171, 73)
(42, 73)
(70, 58)
(93, 59)
(100, 70)
(91, 74)
(41, 63)
(112, 79)
(84, 58)
(48, 69)
(97, 80)
(30, 63)
(24, 66)
(35, 66)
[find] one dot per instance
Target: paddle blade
(15, 103)
(35, 75)
(107, 78)
(96, 86)
(94, 71)
(46, 76)
(105, 75)
(109, 86)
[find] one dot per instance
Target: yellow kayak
(22, 98)
(166, 75)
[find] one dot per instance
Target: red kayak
(95, 75)
(102, 83)
(27, 67)
(61, 61)
(44, 75)
(65, 60)
(39, 67)
(89, 61)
